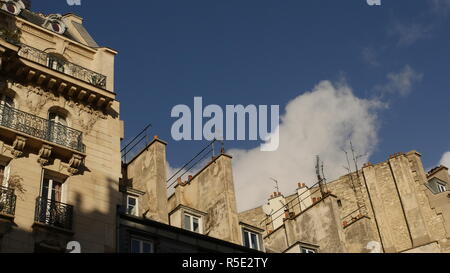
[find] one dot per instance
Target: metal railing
(63, 66)
(41, 128)
(7, 201)
(53, 213)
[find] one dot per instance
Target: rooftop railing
(62, 66)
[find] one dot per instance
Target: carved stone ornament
(37, 98)
(44, 154)
(75, 163)
(87, 116)
(18, 146)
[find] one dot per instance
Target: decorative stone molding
(44, 154)
(87, 116)
(37, 98)
(75, 163)
(18, 146)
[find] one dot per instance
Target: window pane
(147, 247)
(187, 222)
(131, 201)
(196, 225)
(246, 239)
(135, 246)
(254, 241)
(307, 250)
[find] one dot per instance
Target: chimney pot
(155, 137)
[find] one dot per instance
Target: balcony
(53, 214)
(41, 128)
(62, 66)
(7, 202)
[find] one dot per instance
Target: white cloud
(369, 56)
(401, 82)
(440, 7)
(320, 122)
(445, 160)
(408, 34)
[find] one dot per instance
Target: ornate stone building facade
(60, 134)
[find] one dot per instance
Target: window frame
(136, 207)
(191, 222)
(307, 250)
(141, 245)
(250, 232)
(51, 182)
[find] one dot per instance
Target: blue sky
(270, 52)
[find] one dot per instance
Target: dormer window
(193, 223)
(54, 23)
(13, 7)
(56, 27)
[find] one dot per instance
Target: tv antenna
(320, 176)
(276, 184)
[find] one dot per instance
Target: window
(57, 118)
(55, 64)
(6, 100)
(192, 223)
(4, 175)
(441, 187)
(132, 205)
(141, 246)
(51, 190)
(308, 250)
(251, 239)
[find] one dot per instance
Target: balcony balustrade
(7, 201)
(41, 128)
(62, 66)
(53, 213)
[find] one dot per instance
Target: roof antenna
(276, 184)
(319, 176)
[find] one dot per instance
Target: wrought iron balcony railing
(7, 201)
(41, 128)
(52, 213)
(63, 66)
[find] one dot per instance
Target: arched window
(57, 127)
(57, 118)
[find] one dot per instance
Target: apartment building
(199, 216)
(60, 134)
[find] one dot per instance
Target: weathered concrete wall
(319, 225)
(433, 247)
(254, 217)
(212, 191)
(147, 173)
